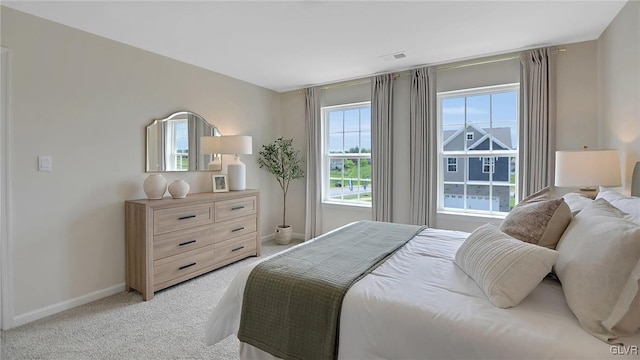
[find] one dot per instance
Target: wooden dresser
(172, 240)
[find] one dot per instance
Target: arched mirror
(174, 143)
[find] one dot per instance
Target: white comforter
(420, 305)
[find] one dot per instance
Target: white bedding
(420, 305)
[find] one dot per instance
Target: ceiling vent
(395, 56)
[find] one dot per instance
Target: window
(452, 164)
(478, 135)
(347, 154)
(487, 165)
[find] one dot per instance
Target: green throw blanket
(292, 302)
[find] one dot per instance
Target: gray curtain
(423, 145)
(381, 146)
(313, 220)
(537, 119)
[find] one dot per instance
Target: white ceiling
(286, 45)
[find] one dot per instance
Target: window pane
(335, 178)
(454, 196)
(453, 111)
(352, 120)
(335, 122)
(504, 106)
(481, 137)
(352, 142)
(478, 197)
(453, 137)
(336, 144)
(506, 198)
(505, 135)
(365, 119)
(478, 109)
(365, 142)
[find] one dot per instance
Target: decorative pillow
(506, 269)
(628, 204)
(576, 202)
(599, 270)
(539, 219)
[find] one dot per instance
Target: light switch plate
(45, 163)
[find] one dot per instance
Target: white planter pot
(155, 185)
(283, 234)
(179, 189)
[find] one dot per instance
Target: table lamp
(236, 170)
(586, 169)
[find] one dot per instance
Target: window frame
(465, 154)
(327, 157)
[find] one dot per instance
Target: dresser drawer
(233, 228)
(185, 217)
(235, 208)
(173, 243)
(175, 266)
(235, 247)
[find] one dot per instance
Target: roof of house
(502, 135)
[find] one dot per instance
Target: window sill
(471, 216)
(340, 205)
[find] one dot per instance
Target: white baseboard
(65, 305)
(295, 236)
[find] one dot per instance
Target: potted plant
(285, 163)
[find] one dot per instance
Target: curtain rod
(441, 67)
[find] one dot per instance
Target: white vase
(283, 234)
(179, 189)
(155, 185)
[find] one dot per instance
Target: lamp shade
(235, 144)
(587, 168)
(210, 144)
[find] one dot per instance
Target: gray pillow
(538, 219)
(600, 271)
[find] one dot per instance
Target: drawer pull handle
(237, 207)
(238, 229)
(187, 243)
(238, 248)
(186, 266)
(186, 217)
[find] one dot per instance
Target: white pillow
(628, 204)
(576, 202)
(506, 269)
(599, 270)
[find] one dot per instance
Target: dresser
(172, 240)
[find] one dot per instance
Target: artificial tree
(285, 163)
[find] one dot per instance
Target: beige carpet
(122, 326)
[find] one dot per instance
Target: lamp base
(237, 172)
(589, 192)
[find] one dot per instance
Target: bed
(420, 304)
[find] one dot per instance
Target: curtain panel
(537, 119)
(423, 145)
(313, 219)
(381, 144)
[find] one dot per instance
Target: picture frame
(220, 183)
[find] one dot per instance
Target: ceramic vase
(155, 185)
(283, 234)
(179, 189)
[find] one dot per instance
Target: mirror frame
(197, 126)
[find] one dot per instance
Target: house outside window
(346, 175)
(479, 128)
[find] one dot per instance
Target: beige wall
(85, 101)
(618, 52)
